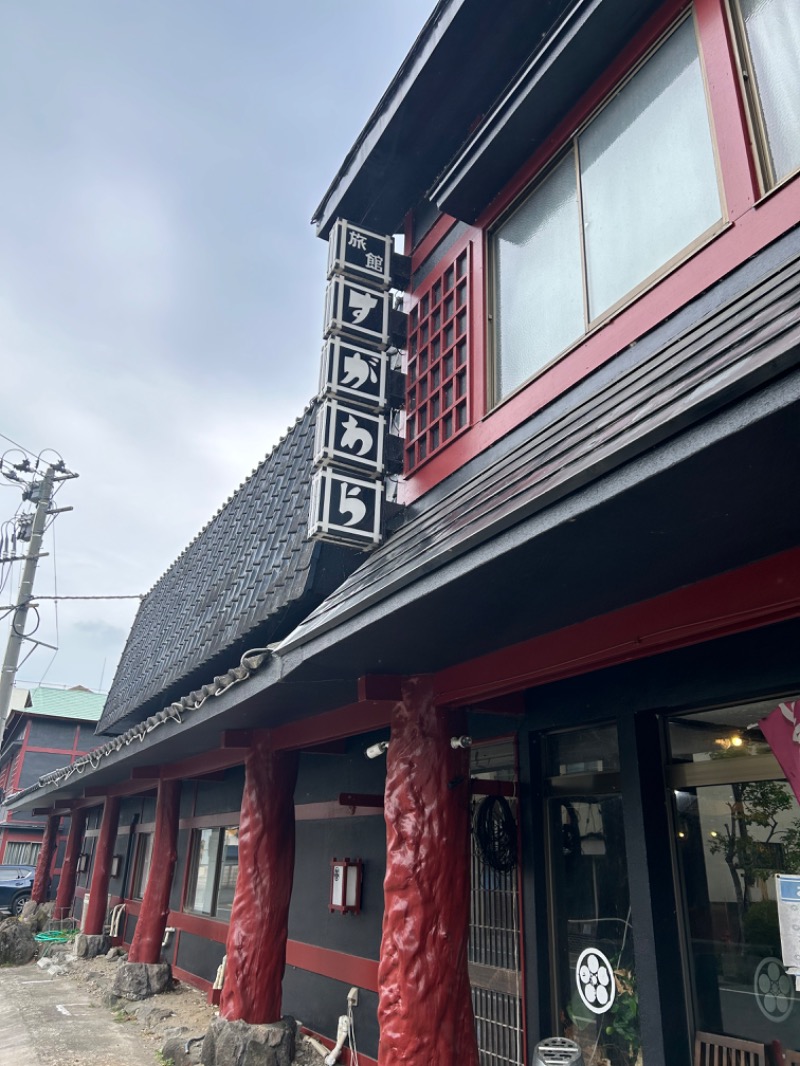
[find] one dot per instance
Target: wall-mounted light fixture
(83, 863)
(116, 865)
(346, 875)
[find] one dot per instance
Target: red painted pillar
(257, 935)
(65, 895)
(95, 917)
(44, 865)
(146, 945)
(424, 1007)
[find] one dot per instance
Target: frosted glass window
(648, 176)
(538, 279)
(640, 179)
(772, 28)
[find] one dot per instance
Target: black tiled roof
(245, 581)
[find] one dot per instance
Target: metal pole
(20, 617)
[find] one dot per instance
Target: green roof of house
(76, 703)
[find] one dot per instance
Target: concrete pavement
(49, 1021)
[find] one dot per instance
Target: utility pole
(40, 492)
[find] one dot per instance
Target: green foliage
(623, 1016)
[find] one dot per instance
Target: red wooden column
(98, 899)
(256, 946)
(424, 1008)
(69, 870)
(44, 865)
(146, 945)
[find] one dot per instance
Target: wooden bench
(710, 1049)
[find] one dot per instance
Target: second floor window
(636, 189)
(770, 33)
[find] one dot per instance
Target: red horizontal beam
(380, 687)
(756, 595)
(202, 765)
(343, 722)
(136, 783)
(351, 969)
(324, 811)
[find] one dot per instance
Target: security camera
(374, 751)
(460, 742)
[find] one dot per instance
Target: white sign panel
(358, 375)
(357, 312)
(345, 509)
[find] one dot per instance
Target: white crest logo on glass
(595, 978)
(773, 989)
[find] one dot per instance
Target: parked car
(16, 883)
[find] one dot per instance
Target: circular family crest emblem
(774, 990)
(595, 978)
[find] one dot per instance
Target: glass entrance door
(737, 829)
(593, 972)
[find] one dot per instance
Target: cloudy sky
(161, 288)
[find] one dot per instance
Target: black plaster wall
(214, 797)
(318, 1001)
(37, 763)
(45, 733)
(199, 956)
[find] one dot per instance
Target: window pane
(538, 279)
(732, 839)
(228, 872)
(648, 177)
(773, 34)
(583, 751)
(144, 855)
(200, 896)
(27, 854)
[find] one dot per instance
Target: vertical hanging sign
(351, 453)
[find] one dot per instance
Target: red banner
(782, 730)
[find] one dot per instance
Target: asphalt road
(48, 1021)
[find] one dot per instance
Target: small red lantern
(346, 885)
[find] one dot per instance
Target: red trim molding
(346, 721)
(351, 969)
(757, 595)
(193, 980)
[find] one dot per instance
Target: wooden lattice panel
(437, 399)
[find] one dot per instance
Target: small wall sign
(346, 875)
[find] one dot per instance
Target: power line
(20, 446)
(137, 596)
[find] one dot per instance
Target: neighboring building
(47, 727)
(596, 577)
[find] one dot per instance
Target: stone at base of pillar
(88, 946)
(140, 980)
(239, 1044)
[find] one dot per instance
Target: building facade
(47, 727)
(569, 653)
